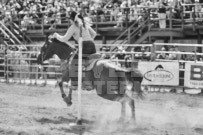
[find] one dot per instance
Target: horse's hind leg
(132, 106)
(131, 103)
(123, 110)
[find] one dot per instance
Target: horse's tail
(136, 78)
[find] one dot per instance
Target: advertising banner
(160, 73)
(193, 75)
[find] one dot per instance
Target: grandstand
(132, 21)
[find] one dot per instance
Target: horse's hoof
(69, 104)
(68, 101)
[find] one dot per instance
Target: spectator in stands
(103, 50)
(100, 13)
(46, 19)
(162, 55)
(162, 14)
(169, 10)
(138, 54)
(177, 9)
(192, 57)
(146, 53)
(197, 9)
(27, 21)
(120, 54)
(133, 15)
(114, 12)
(121, 18)
(184, 57)
(172, 56)
(33, 8)
(178, 55)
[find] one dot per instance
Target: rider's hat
(72, 15)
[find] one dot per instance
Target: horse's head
(53, 46)
(45, 51)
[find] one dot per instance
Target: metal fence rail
(22, 69)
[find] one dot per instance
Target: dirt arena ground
(31, 110)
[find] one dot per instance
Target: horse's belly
(112, 97)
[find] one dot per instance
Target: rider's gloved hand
(54, 35)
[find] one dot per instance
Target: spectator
(121, 18)
(114, 12)
(162, 14)
(177, 9)
(100, 13)
(133, 15)
(172, 56)
(197, 9)
(178, 55)
(162, 55)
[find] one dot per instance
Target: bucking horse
(109, 80)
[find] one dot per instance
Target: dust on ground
(31, 110)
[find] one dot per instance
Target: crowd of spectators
(144, 53)
(30, 12)
(174, 53)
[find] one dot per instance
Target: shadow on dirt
(63, 124)
(199, 130)
(10, 132)
(61, 120)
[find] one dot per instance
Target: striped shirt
(88, 34)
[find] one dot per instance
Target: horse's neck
(61, 51)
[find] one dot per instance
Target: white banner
(160, 73)
(193, 75)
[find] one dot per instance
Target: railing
(18, 31)
(27, 72)
(10, 33)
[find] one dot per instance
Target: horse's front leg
(68, 98)
(61, 89)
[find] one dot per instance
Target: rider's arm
(68, 34)
(92, 32)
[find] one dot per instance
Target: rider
(88, 34)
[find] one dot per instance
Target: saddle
(90, 61)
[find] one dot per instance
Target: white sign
(193, 75)
(160, 73)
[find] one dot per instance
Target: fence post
(195, 54)
(36, 72)
(19, 74)
(153, 52)
(170, 21)
(96, 21)
(129, 35)
(193, 17)
(43, 23)
(149, 19)
(182, 17)
(6, 63)
(30, 68)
